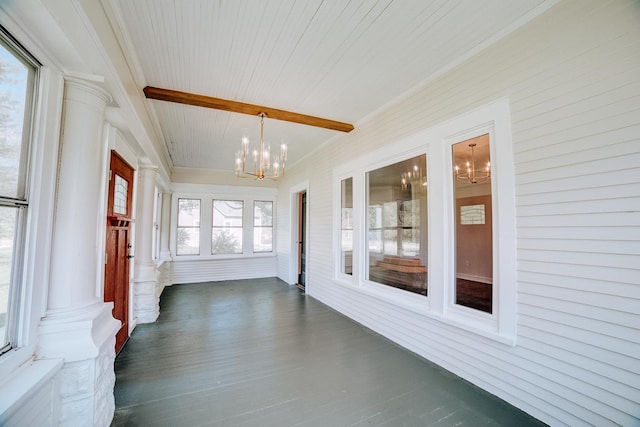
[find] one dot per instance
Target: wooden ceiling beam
(241, 107)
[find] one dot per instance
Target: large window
(396, 225)
(17, 76)
(188, 233)
(226, 232)
(346, 226)
(262, 226)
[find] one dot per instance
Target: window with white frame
(346, 226)
(464, 209)
(396, 225)
(473, 224)
(226, 231)
(188, 232)
(262, 226)
(17, 79)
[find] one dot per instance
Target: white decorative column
(165, 227)
(78, 326)
(164, 264)
(145, 280)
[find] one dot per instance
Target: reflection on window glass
(188, 232)
(346, 226)
(474, 247)
(120, 195)
(262, 226)
(226, 232)
(397, 225)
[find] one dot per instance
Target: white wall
(572, 77)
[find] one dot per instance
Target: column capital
(86, 87)
(150, 168)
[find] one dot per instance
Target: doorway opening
(301, 240)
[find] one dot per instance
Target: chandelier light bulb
(264, 166)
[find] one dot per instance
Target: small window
(188, 233)
(397, 225)
(17, 79)
(473, 241)
(262, 226)
(346, 226)
(226, 232)
(120, 191)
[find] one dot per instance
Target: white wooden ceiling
(336, 59)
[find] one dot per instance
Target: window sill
(480, 324)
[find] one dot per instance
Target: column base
(86, 343)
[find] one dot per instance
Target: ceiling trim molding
(244, 108)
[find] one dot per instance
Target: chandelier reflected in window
(469, 173)
(413, 178)
(258, 163)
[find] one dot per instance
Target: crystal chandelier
(262, 166)
(414, 178)
(470, 174)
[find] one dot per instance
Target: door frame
(303, 187)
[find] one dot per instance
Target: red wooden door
(118, 247)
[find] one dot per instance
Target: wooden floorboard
(261, 353)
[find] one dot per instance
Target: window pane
(263, 214)
(120, 195)
(188, 241)
(188, 232)
(188, 213)
(474, 247)
(226, 240)
(226, 233)
(227, 213)
(262, 226)
(346, 226)
(262, 239)
(8, 218)
(397, 225)
(13, 96)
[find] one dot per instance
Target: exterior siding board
(573, 80)
(217, 270)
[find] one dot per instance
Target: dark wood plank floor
(261, 353)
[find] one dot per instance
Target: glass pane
(474, 247)
(227, 213)
(120, 189)
(346, 226)
(397, 225)
(263, 214)
(13, 91)
(188, 213)
(8, 218)
(226, 240)
(188, 241)
(262, 239)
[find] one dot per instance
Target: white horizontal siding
(223, 269)
(573, 80)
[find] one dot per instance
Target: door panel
(118, 246)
